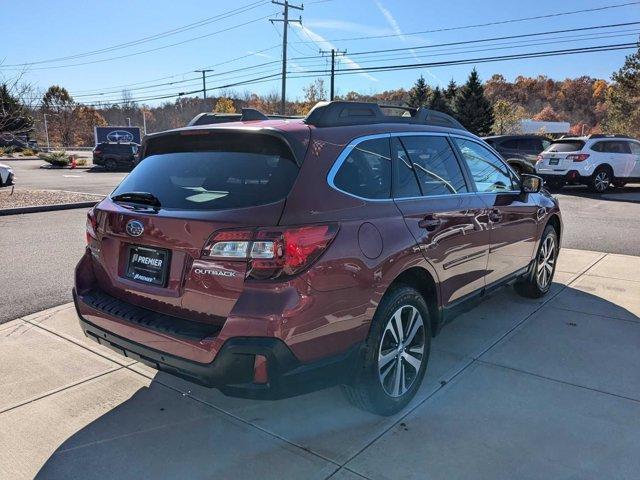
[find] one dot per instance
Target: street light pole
(144, 122)
(46, 130)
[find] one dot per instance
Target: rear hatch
(559, 156)
(152, 233)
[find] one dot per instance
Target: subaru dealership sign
(117, 134)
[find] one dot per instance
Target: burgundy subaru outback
(272, 257)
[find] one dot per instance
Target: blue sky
(78, 26)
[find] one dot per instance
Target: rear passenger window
(615, 147)
(435, 165)
(405, 181)
(635, 148)
(366, 172)
(489, 173)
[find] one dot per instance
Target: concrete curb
(47, 208)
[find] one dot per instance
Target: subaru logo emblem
(135, 228)
(120, 136)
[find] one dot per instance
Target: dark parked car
(113, 155)
(520, 151)
(270, 257)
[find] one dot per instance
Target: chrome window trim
(356, 141)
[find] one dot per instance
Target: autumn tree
(547, 114)
(420, 94)
(59, 105)
(507, 117)
(472, 108)
(313, 93)
(224, 105)
(623, 99)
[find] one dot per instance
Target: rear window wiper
(145, 198)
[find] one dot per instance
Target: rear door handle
(430, 223)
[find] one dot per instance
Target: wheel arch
(555, 222)
(422, 280)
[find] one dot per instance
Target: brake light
(578, 157)
(272, 252)
(92, 226)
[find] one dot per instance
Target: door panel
(512, 216)
(453, 235)
(513, 228)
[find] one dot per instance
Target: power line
(479, 25)
(152, 49)
(175, 31)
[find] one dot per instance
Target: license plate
(148, 265)
(554, 161)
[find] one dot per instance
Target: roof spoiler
(340, 113)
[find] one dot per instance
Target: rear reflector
(272, 252)
(92, 226)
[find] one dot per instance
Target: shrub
(81, 161)
(56, 159)
(7, 151)
(27, 152)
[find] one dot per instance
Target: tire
(538, 281)
(110, 164)
(386, 366)
(601, 180)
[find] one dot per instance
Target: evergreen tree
(438, 102)
(623, 99)
(14, 117)
(451, 90)
(420, 94)
(472, 108)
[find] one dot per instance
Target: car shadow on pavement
(174, 429)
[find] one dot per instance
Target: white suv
(598, 161)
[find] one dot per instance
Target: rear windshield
(566, 146)
(214, 173)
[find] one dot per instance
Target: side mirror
(530, 183)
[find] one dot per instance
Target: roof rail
(603, 135)
(340, 113)
(248, 114)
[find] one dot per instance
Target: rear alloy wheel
(538, 281)
(601, 180)
(395, 356)
(110, 164)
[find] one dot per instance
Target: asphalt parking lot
(515, 388)
(95, 180)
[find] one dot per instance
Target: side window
(405, 181)
(615, 147)
(598, 147)
(513, 144)
(545, 144)
(435, 165)
(489, 173)
(635, 148)
(366, 172)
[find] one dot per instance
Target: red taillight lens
(272, 252)
(92, 226)
(578, 157)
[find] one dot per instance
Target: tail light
(92, 226)
(578, 157)
(97, 152)
(272, 252)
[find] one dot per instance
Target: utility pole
(144, 122)
(204, 81)
(285, 23)
(333, 53)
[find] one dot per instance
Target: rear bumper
(571, 176)
(232, 370)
